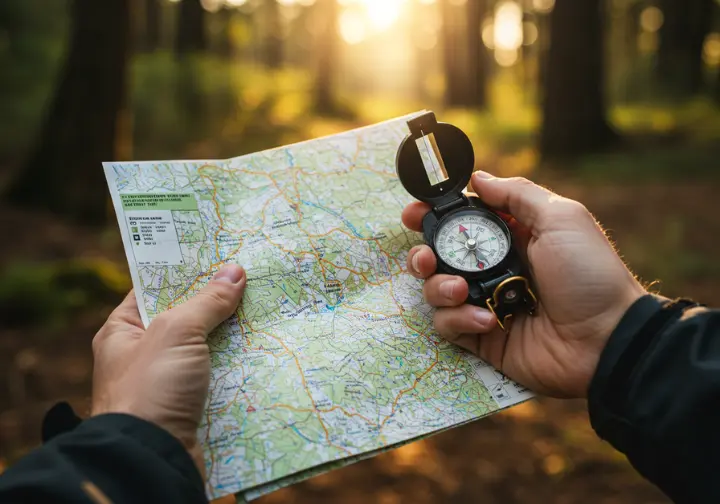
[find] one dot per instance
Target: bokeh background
(613, 102)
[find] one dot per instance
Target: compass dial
(471, 242)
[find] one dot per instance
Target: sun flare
(382, 14)
(362, 18)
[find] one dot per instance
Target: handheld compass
(467, 237)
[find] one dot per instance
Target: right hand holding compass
(584, 289)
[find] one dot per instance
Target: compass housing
(432, 224)
(440, 180)
(447, 197)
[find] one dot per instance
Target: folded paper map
(332, 356)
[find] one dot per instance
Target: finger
(524, 200)
(451, 323)
(215, 303)
(474, 329)
(412, 215)
(445, 290)
(127, 312)
(421, 262)
(521, 236)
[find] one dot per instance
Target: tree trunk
(680, 53)
(273, 53)
(574, 119)
(151, 26)
(623, 36)
(223, 44)
(455, 90)
(326, 57)
(543, 51)
(64, 172)
(477, 56)
(632, 32)
(191, 33)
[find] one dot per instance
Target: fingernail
(483, 317)
(482, 175)
(416, 262)
(230, 273)
(447, 288)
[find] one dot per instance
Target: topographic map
(331, 356)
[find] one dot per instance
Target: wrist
(196, 454)
(609, 324)
(643, 323)
(590, 354)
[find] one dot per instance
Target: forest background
(613, 102)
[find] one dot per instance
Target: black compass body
(434, 164)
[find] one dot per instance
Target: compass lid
(435, 161)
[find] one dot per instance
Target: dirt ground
(542, 451)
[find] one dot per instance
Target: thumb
(215, 302)
(527, 202)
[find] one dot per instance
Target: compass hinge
(454, 202)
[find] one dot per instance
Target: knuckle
(102, 335)
(171, 324)
(219, 295)
(430, 291)
(414, 260)
(97, 341)
(522, 181)
(566, 211)
(427, 294)
(575, 208)
(439, 323)
(443, 325)
(164, 322)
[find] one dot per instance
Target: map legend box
(156, 242)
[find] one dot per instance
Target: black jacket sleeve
(106, 459)
(656, 396)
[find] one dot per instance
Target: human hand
(583, 287)
(162, 374)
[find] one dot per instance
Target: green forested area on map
(612, 102)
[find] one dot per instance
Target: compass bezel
(488, 273)
(457, 153)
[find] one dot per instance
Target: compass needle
(481, 257)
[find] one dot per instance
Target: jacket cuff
(58, 420)
(603, 418)
(61, 419)
(634, 334)
(150, 436)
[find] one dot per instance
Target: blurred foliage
(665, 255)
(239, 108)
(48, 294)
(33, 39)
(212, 105)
